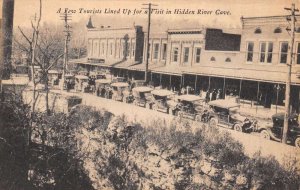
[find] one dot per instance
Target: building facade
(249, 63)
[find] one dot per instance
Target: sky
(26, 9)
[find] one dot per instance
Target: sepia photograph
(149, 95)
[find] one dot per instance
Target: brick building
(249, 63)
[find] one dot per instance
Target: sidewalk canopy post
(240, 88)
(170, 82)
(196, 83)
(208, 84)
(160, 79)
(257, 96)
(224, 88)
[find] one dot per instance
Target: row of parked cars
(221, 113)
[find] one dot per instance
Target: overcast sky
(26, 9)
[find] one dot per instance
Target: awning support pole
(196, 83)
(277, 94)
(240, 88)
(257, 96)
(224, 88)
(160, 79)
(171, 82)
(208, 84)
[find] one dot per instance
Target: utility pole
(6, 35)
(66, 17)
(148, 36)
(291, 18)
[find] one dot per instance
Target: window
(175, 54)
(133, 50)
(102, 49)
(284, 46)
(257, 31)
(156, 48)
(277, 30)
(298, 53)
(197, 55)
(250, 48)
(164, 53)
(266, 51)
(186, 54)
(111, 48)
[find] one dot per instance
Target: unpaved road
(251, 143)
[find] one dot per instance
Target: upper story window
(197, 55)
(156, 49)
(133, 50)
(250, 48)
(277, 30)
(257, 31)
(111, 48)
(266, 52)
(175, 54)
(102, 48)
(164, 52)
(212, 59)
(298, 53)
(284, 46)
(186, 54)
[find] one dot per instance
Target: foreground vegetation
(92, 149)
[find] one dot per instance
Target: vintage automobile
(69, 82)
(273, 129)
(190, 106)
(142, 96)
(102, 86)
(224, 113)
(136, 83)
(163, 100)
(118, 79)
(120, 91)
(81, 83)
(97, 75)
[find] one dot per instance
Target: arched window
(257, 31)
(277, 30)
(227, 59)
(212, 59)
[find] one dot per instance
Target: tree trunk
(7, 31)
(47, 92)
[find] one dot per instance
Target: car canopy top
(120, 84)
(69, 76)
(223, 104)
(81, 77)
(189, 98)
(103, 81)
(162, 92)
(142, 89)
(280, 116)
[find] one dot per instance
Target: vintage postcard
(150, 95)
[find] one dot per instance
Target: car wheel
(147, 106)
(198, 118)
(265, 134)
(213, 122)
(297, 142)
(154, 107)
(180, 114)
(238, 127)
